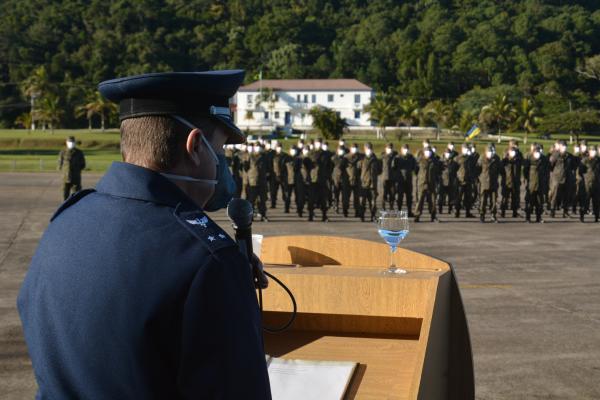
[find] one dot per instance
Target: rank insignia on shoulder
(205, 229)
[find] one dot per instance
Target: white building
(292, 100)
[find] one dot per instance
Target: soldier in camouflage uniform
(354, 161)
(407, 167)
(427, 177)
(561, 179)
(463, 182)
(278, 175)
(71, 161)
(534, 172)
(447, 184)
(511, 182)
(369, 171)
(341, 181)
(256, 168)
(589, 169)
(389, 176)
(490, 168)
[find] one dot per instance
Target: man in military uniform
(589, 169)
(490, 169)
(257, 168)
(511, 182)
(341, 181)
(71, 161)
(463, 182)
(474, 158)
(560, 179)
(447, 182)
(318, 193)
(407, 166)
(534, 170)
(354, 161)
(389, 176)
(427, 177)
(155, 300)
(278, 175)
(293, 167)
(369, 171)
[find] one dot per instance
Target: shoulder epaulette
(74, 198)
(204, 229)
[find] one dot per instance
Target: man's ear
(193, 145)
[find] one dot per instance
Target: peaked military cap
(187, 94)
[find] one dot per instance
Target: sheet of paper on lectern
(307, 380)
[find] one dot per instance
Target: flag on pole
(474, 131)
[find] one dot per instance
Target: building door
(287, 118)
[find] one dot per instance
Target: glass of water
(392, 227)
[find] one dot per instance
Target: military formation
(354, 181)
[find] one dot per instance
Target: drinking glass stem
(392, 267)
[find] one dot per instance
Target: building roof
(306, 84)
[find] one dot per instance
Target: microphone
(240, 212)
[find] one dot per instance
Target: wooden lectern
(408, 332)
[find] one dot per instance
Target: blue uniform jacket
(134, 293)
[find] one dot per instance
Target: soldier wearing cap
(427, 183)
(370, 168)
(354, 161)
(389, 176)
(589, 169)
(490, 168)
(341, 181)
(511, 182)
(407, 167)
(71, 161)
(561, 167)
(156, 300)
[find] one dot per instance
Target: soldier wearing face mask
(278, 174)
(511, 184)
(475, 173)
(427, 177)
(407, 167)
(295, 181)
(71, 161)
(575, 195)
(561, 167)
(370, 169)
(534, 170)
(389, 176)
(589, 170)
(353, 168)
(463, 182)
(257, 168)
(318, 191)
(307, 165)
(341, 181)
(447, 185)
(490, 169)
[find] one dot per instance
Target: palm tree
(51, 112)
(35, 86)
(381, 111)
(87, 110)
(500, 112)
(467, 119)
(99, 106)
(527, 117)
(406, 113)
(439, 112)
(24, 120)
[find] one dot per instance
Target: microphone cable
(294, 306)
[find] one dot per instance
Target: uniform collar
(139, 183)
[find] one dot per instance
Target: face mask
(446, 155)
(325, 147)
(342, 143)
(70, 145)
(340, 152)
(317, 145)
(583, 148)
(469, 152)
(425, 145)
(224, 183)
(562, 149)
(388, 150)
(300, 145)
(404, 152)
(305, 152)
(537, 155)
(267, 146)
(368, 152)
(354, 150)
(278, 150)
(450, 147)
(576, 150)
(556, 146)
(427, 153)
(489, 154)
(593, 153)
(293, 152)
(512, 153)
(433, 149)
(465, 152)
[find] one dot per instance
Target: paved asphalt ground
(531, 291)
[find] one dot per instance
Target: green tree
(527, 117)
(101, 107)
(381, 111)
(34, 87)
(50, 111)
(328, 122)
(498, 114)
(406, 112)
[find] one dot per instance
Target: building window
(314, 98)
(249, 98)
(266, 115)
(306, 98)
(275, 97)
(356, 114)
(330, 98)
(298, 98)
(357, 98)
(276, 114)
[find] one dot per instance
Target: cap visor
(234, 134)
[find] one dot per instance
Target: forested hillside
(420, 50)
